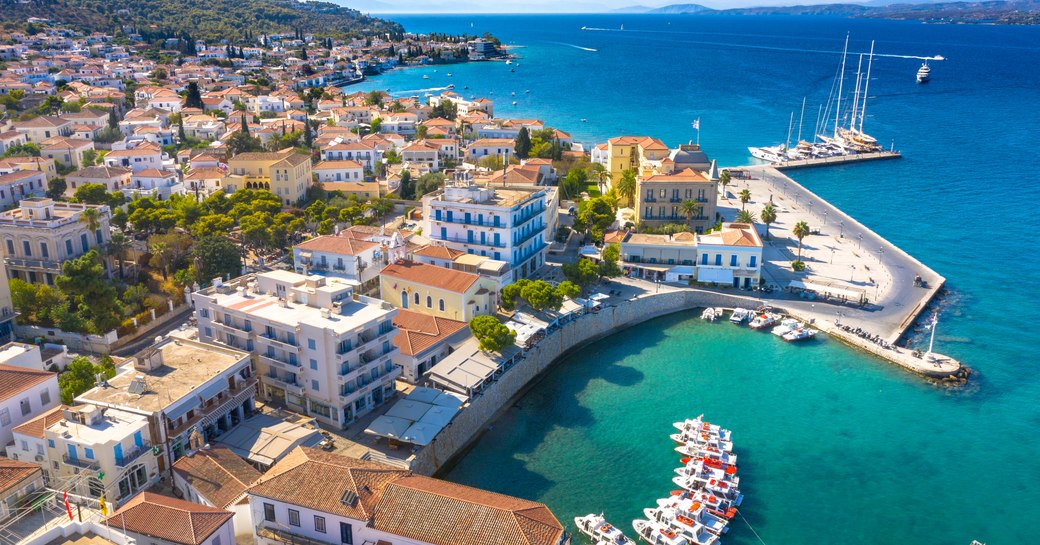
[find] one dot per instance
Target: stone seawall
(472, 421)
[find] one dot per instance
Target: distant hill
(201, 19)
(995, 11)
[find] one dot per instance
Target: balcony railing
(280, 363)
(128, 458)
(274, 340)
(291, 387)
(472, 222)
(79, 462)
(283, 536)
(466, 240)
(33, 264)
(237, 395)
(529, 236)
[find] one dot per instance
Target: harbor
(792, 164)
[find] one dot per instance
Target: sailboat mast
(801, 118)
(816, 133)
(790, 125)
(855, 95)
(866, 85)
(841, 80)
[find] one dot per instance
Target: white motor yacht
(800, 334)
(694, 532)
(698, 425)
(700, 470)
(786, 326)
(693, 509)
(656, 533)
(924, 73)
(740, 315)
(600, 531)
(715, 505)
(764, 320)
(701, 441)
(714, 487)
(693, 451)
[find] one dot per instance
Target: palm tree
(768, 216)
(118, 248)
(690, 209)
(627, 186)
(745, 197)
(603, 177)
(161, 257)
(800, 231)
(724, 180)
(91, 218)
(745, 216)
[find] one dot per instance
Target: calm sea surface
(835, 447)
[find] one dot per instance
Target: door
(736, 282)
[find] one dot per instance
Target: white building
(156, 183)
(357, 502)
(24, 395)
(41, 234)
(339, 171)
(423, 340)
(342, 256)
(154, 519)
(508, 225)
(319, 348)
(731, 257)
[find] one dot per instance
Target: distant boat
(425, 76)
(508, 61)
(512, 69)
(622, 26)
(584, 28)
(924, 73)
(583, 120)
(449, 74)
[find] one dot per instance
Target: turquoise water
(834, 446)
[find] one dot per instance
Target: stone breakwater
(498, 396)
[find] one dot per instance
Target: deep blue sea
(835, 446)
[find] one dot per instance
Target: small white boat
(786, 326)
(509, 61)
(600, 531)
(699, 425)
(924, 73)
(716, 505)
(694, 532)
(713, 487)
(693, 509)
(690, 451)
(449, 74)
(425, 76)
(702, 440)
(764, 320)
(514, 103)
(719, 472)
(709, 315)
(740, 315)
(451, 86)
(656, 533)
(800, 334)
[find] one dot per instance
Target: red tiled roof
(439, 252)
(431, 275)
(13, 472)
(36, 426)
(418, 332)
(170, 519)
(15, 380)
(218, 474)
(335, 244)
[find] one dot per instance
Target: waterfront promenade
(840, 252)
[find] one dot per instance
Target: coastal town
(243, 304)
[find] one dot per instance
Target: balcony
(649, 199)
(290, 387)
(675, 199)
(471, 222)
(39, 264)
(529, 236)
(129, 458)
(273, 340)
(230, 327)
(528, 216)
(475, 241)
(79, 463)
(242, 390)
(283, 536)
(280, 364)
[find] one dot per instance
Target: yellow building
(284, 173)
(436, 291)
(660, 198)
(633, 152)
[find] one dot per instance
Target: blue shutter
(138, 440)
(118, 451)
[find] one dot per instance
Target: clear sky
(545, 6)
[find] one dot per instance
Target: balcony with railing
(274, 341)
(130, 457)
(39, 264)
(527, 216)
(474, 222)
(242, 390)
(79, 463)
(289, 538)
(529, 236)
(285, 365)
(476, 241)
(293, 387)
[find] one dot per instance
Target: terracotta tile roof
(334, 244)
(644, 142)
(218, 474)
(346, 163)
(36, 426)
(431, 275)
(444, 513)
(100, 172)
(439, 252)
(418, 332)
(81, 539)
(685, 175)
(13, 472)
(15, 380)
(740, 234)
(327, 482)
(170, 519)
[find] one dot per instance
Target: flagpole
(931, 342)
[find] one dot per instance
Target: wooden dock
(840, 160)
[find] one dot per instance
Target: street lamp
(824, 217)
(841, 224)
(859, 245)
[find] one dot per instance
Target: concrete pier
(839, 160)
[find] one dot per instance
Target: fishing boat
(764, 320)
(514, 103)
(695, 510)
(600, 531)
(695, 533)
(740, 315)
(449, 74)
(702, 440)
(451, 86)
(799, 334)
(924, 73)
(656, 533)
(786, 326)
(509, 61)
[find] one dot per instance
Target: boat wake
(407, 92)
(576, 46)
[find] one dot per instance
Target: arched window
(417, 298)
(441, 305)
(404, 299)
(429, 302)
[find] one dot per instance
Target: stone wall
(471, 422)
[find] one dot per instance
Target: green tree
(90, 218)
(768, 216)
(608, 266)
(745, 197)
(800, 231)
(584, 273)
(22, 150)
(595, 216)
(118, 248)
(93, 297)
(745, 216)
(56, 188)
(79, 376)
(91, 194)
(574, 183)
(492, 334)
(690, 208)
(380, 208)
(522, 145)
(242, 142)
(193, 98)
(376, 125)
(374, 98)
(217, 256)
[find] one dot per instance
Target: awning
(438, 416)
(388, 426)
(409, 410)
(827, 289)
(423, 394)
(420, 434)
(598, 296)
(448, 399)
(211, 391)
(649, 266)
(721, 276)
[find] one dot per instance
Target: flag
(103, 507)
(697, 124)
(68, 508)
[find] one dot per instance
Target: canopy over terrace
(830, 290)
(389, 426)
(468, 369)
